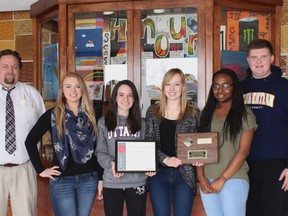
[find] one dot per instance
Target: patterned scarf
(78, 138)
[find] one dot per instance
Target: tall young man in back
(266, 92)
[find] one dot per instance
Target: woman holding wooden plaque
(225, 185)
(174, 185)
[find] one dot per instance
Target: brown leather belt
(9, 165)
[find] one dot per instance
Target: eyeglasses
(217, 86)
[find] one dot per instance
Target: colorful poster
(95, 90)
(88, 43)
(168, 41)
(245, 26)
(50, 72)
(170, 35)
(92, 23)
(236, 61)
(155, 70)
(118, 38)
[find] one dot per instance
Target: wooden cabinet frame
(272, 7)
(209, 20)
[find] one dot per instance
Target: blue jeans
(73, 195)
(168, 188)
(230, 201)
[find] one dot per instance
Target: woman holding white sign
(121, 122)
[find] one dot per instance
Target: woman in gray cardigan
(174, 182)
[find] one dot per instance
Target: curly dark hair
(237, 112)
(134, 117)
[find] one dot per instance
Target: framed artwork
(236, 61)
(95, 90)
(245, 26)
(168, 41)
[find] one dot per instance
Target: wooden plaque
(197, 147)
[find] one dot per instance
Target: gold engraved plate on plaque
(197, 154)
(204, 141)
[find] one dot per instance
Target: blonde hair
(185, 107)
(85, 104)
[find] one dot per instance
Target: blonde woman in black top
(175, 183)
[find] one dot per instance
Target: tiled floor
(98, 209)
(44, 206)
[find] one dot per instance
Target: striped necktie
(10, 136)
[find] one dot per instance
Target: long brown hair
(85, 104)
(134, 117)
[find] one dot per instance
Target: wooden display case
(244, 20)
(208, 18)
(204, 38)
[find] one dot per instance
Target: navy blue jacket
(268, 98)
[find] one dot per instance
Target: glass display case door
(100, 47)
(47, 66)
(169, 36)
(237, 25)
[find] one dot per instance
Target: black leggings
(135, 201)
(266, 198)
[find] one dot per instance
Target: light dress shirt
(28, 107)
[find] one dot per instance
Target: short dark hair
(258, 44)
(13, 53)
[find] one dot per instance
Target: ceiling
(15, 5)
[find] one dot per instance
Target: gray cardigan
(105, 151)
(186, 125)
